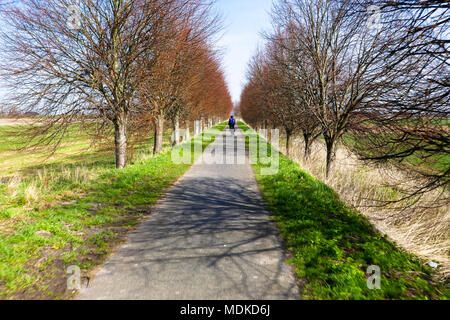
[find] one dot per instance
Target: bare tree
(384, 84)
(296, 85)
(339, 64)
(409, 128)
(70, 60)
(164, 84)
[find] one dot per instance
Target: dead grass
(422, 228)
(13, 122)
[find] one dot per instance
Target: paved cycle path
(210, 238)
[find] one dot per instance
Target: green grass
(73, 211)
(332, 245)
(75, 147)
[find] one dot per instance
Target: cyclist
(232, 123)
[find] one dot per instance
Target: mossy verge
(333, 246)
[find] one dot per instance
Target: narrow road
(210, 238)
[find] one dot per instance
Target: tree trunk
(176, 130)
(196, 127)
(159, 133)
(288, 143)
(187, 135)
(120, 121)
(120, 135)
(307, 139)
(331, 155)
(202, 124)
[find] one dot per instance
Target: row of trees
(123, 65)
(379, 74)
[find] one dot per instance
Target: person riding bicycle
(232, 122)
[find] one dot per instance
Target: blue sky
(243, 20)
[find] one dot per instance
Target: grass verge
(74, 214)
(333, 246)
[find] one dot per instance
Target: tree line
(373, 77)
(120, 68)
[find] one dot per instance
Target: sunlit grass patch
(73, 212)
(332, 245)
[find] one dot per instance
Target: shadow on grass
(333, 245)
(78, 223)
(213, 228)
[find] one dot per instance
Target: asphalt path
(209, 238)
